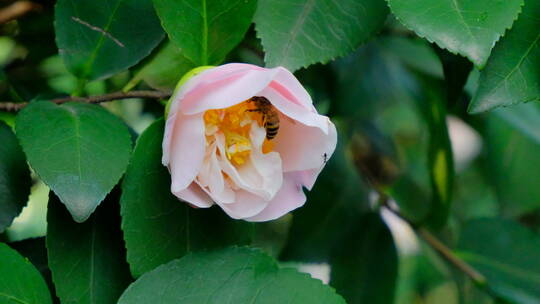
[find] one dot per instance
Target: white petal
(195, 196)
(211, 179)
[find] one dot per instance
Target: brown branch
(16, 10)
(436, 244)
(14, 106)
(446, 253)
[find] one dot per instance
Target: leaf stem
(79, 90)
(14, 106)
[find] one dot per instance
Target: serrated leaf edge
(346, 52)
(54, 191)
(479, 65)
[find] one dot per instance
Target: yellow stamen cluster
(235, 123)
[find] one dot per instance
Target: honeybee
(270, 115)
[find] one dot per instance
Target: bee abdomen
(271, 130)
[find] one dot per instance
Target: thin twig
(436, 244)
(14, 106)
(445, 252)
(16, 10)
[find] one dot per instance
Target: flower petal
(246, 205)
(260, 175)
(228, 91)
(205, 78)
(295, 111)
(303, 147)
(308, 177)
(194, 195)
(184, 148)
(211, 180)
(289, 87)
(289, 197)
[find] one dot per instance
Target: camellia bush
(269, 151)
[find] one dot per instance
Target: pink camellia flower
(247, 139)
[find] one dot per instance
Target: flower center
(235, 123)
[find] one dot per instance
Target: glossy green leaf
(20, 282)
(332, 207)
(164, 69)
(157, 226)
(507, 254)
(98, 38)
(234, 275)
(79, 150)
(297, 33)
(512, 75)
(467, 27)
(35, 250)
(87, 260)
(364, 265)
(205, 31)
(15, 179)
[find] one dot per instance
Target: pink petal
(228, 91)
(295, 111)
(303, 147)
(186, 147)
(289, 197)
(308, 177)
(205, 78)
(246, 205)
(194, 195)
(288, 86)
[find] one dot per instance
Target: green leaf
(157, 226)
(87, 260)
(513, 150)
(297, 33)
(525, 118)
(507, 254)
(512, 75)
(79, 150)
(164, 69)
(469, 28)
(364, 265)
(205, 31)
(98, 38)
(318, 226)
(15, 179)
(35, 250)
(234, 275)
(20, 282)
(415, 53)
